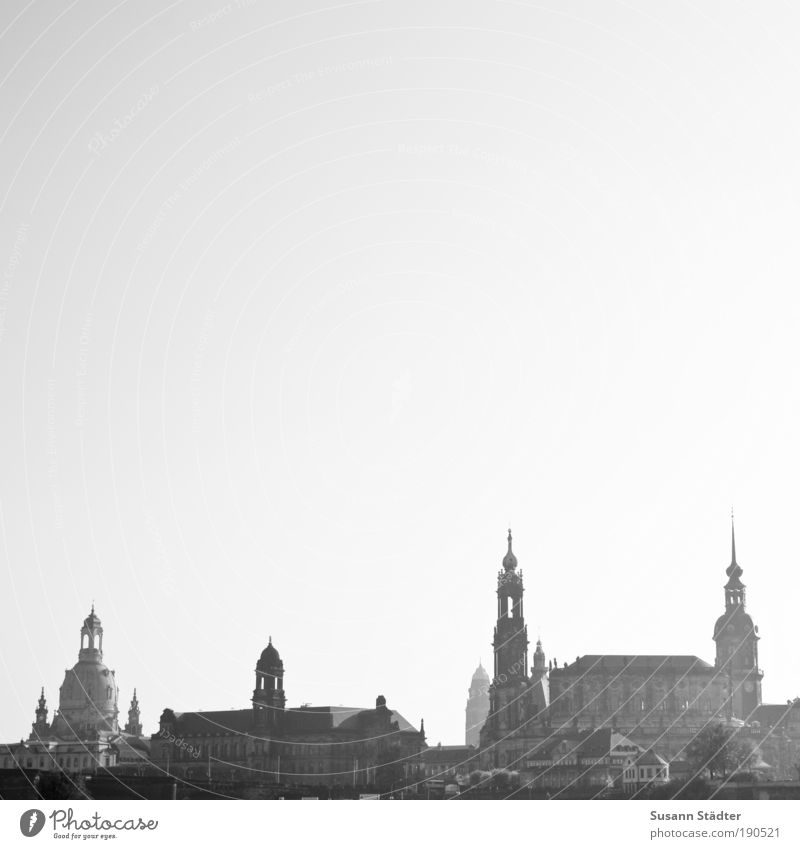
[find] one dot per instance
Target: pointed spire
(734, 571)
(510, 560)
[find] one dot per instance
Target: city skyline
(52, 696)
(301, 307)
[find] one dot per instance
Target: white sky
(301, 306)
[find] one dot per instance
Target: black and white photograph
(399, 402)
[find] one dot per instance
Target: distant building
(477, 705)
(270, 743)
(84, 734)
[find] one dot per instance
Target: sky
(303, 304)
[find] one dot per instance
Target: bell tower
(507, 701)
(269, 699)
(737, 645)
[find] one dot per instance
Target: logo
(31, 822)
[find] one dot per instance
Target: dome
(737, 621)
(92, 621)
(510, 560)
(480, 674)
(269, 657)
(87, 699)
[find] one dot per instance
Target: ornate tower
(87, 703)
(737, 645)
(269, 699)
(91, 638)
(477, 705)
(133, 725)
(507, 704)
(40, 728)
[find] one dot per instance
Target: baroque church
(657, 702)
(85, 733)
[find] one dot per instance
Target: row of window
(63, 761)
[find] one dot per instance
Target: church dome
(737, 621)
(269, 657)
(92, 621)
(88, 699)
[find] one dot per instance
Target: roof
(736, 620)
(682, 663)
(650, 758)
(215, 722)
(448, 754)
(586, 744)
(771, 715)
(299, 720)
(480, 674)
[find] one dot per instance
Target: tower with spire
(477, 705)
(509, 695)
(736, 639)
(134, 724)
(41, 728)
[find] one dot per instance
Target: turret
(269, 699)
(133, 725)
(40, 728)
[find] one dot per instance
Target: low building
(584, 760)
(448, 762)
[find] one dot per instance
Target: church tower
(737, 645)
(477, 706)
(269, 699)
(507, 702)
(40, 729)
(134, 725)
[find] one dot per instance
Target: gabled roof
(650, 758)
(586, 744)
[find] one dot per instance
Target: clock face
(748, 687)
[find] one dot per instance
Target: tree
(717, 749)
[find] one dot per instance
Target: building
(84, 735)
(448, 762)
(271, 744)
(591, 761)
(477, 706)
(660, 702)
